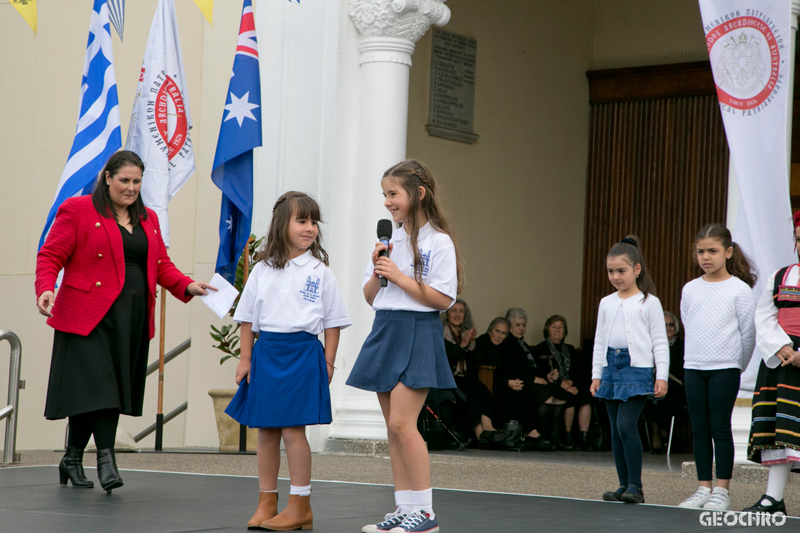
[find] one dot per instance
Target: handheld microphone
(384, 234)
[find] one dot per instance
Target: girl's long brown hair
(631, 248)
(275, 252)
(411, 175)
(738, 264)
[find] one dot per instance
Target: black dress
(517, 362)
(107, 368)
(548, 362)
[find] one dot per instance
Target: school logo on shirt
(311, 291)
(426, 262)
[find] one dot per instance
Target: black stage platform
(31, 500)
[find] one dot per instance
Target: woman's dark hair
(498, 320)
(552, 320)
(631, 249)
(738, 264)
(101, 198)
(275, 252)
(411, 175)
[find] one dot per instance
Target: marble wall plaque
(452, 90)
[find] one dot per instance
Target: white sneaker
(720, 500)
(698, 499)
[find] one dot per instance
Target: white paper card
(220, 301)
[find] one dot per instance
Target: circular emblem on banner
(171, 116)
(745, 59)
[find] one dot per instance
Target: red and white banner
(749, 46)
(161, 120)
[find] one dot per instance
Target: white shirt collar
(302, 260)
(424, 231)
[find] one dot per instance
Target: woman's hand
(573, 390)
(199, 288)
(661, 388)
(243, 370)
(515, 384)
(468, 337)
(539, 381)
(44, 302)
(552, 376)
(594, 386)
(566, 385)
(385, 267)
(379, 247)
(793, 359)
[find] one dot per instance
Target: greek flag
(239, 134)
(116, 12)
(98, 134)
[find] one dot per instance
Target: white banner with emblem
(161, 120)
(749, 51)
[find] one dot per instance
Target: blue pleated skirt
(403, 347)
(288, 383)
(621, 381)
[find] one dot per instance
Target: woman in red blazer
(112, 254)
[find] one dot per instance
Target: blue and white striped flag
(98, 134)
(116, 12)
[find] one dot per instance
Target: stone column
(388, 31)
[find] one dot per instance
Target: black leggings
(711, 395)
(103, 424)
(625, 441)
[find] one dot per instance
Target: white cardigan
(647, 333)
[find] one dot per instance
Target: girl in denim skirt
(404, 355)
(631, 339)
(290, 298)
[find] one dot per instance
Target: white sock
(404, 501)
(300, 491)
(423, 501)
(776, 482)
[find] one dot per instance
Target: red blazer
(89, 249)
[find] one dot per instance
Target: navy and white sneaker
(390, 521)
(418, 522)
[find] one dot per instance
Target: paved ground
(547, 474)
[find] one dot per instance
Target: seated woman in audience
(520, 383)
(488, 345)
(563, 394)
(660, 414)
(473, 407)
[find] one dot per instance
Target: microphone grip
(384, 253)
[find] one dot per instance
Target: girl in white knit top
(631, 340)
(717, 311)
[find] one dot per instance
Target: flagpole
(245, 273)
(161, 336)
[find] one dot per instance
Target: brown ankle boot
(267, 508)
(297, 515)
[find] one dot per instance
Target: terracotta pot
(227, 427)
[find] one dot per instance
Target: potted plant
(227, 338)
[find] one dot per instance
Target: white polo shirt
(303, 296)
(439, 270)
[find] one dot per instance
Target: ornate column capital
(795, 13)
(404, 19)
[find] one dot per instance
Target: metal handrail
(172, 354)
(169, 416)
(11, 410)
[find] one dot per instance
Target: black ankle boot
(568, 445)
(107, 470)
(583, 443)
(71, 467)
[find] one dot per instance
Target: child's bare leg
(298, 454)
(406, 405)
(399, 475)
(268, 457)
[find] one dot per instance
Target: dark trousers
(478, 401)
(711, 395)
(103, 424)
(625, 441)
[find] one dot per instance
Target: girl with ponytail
(631, 340)
(717, 310)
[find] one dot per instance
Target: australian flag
(239, 134)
